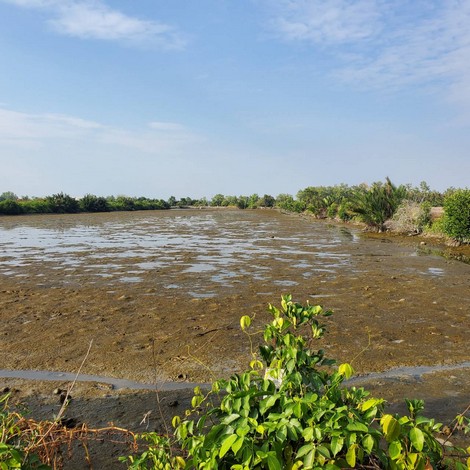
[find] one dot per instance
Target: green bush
(62, 203)
(332, 210)
(456, 221)
(378, 203)
(10, 207)
(345, 212)
(36, 206)
(292, 410)
(92, 203)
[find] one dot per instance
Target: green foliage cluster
(292, 410)
(456, 221)
(243, 202)
(287, 203)
(62, 203)
(424, 194)
(374, 205)
(126, 203)
(10, 207)
(377, 204)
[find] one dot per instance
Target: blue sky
(192, 98)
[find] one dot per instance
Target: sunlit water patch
(198, 249)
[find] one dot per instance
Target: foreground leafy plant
(291, 410)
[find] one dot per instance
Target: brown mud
(160, 295)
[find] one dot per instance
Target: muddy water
(160, 293)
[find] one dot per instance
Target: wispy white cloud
(335, 21)
(384, 44)
(93, 19)
(24, 130)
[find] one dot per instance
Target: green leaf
(245, 322)
(368, 443)
(357, 426)
(304, 450)
(281, 434)
(417, 439)
(267, 403)
(230, 418)
(394, 450)
(370, 403)
(226, 444)
(391, 427)
(307, 434)
(351, 456)
(237, 445)
(336, 445)
(310, 458)
(324, 451)
(273, 461)
(298, 410)
(346, 370)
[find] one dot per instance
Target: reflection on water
(196, 251)
(415, 373)
(205, 247)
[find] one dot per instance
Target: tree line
(380, 205)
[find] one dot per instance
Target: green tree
(288, 203)
(35, 206)
(10, 207)
(243, 202)
(456, 221)
(230, 201)
(8, 196)
(253, 201)
(378, 203)
(217, 200)
(92, 203)
(267, 201)
(61, 203)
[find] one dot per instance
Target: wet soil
(160, 295)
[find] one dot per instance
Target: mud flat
(160, 295)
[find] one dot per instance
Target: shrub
(62, 203)
(288, 203)
(35, 206)
(378, 203)
(345, 211)
(411, 217)
(267, 201)
(291, 410)
(92, 203)
(8, 195)
(332, 210)
(456, 221)
(10, 207)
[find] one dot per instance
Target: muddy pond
(159, 294)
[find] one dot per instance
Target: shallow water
(221, 245)
(212, 249)
(415, 373)
(173, 284)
